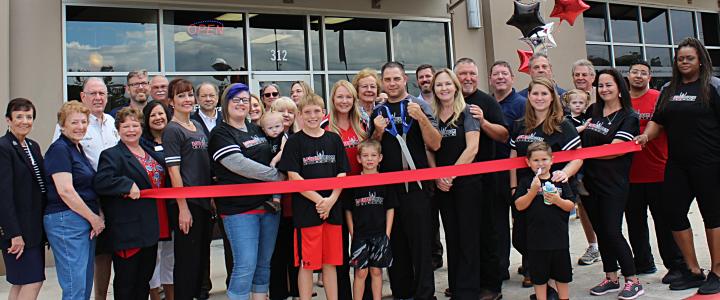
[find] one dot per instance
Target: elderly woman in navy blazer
(133, 224)
(21, 205)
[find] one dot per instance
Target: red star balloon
(568, 10)
(524, 60)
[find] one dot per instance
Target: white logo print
(318, 158)
(683, 97)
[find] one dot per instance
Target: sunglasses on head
(273, 94)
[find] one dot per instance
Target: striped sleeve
(572, 138)
(629, 128)
(173, 139)
(222, 144)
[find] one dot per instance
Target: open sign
(206, 28)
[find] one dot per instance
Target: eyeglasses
(272, 94)
(238, 100)
(138, 84)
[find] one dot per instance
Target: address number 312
(278, 55)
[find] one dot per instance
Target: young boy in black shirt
(547, 212)
(369, 212)
(308, 154)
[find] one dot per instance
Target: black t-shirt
(453, 141)
(565, 139)
(368, 206)
(392, 155)
(226, 140)
(578, 120)
(623, 125)
(693, 130)
(314, 157)
(188, 150)
(276, 143)
(547, 225)
(492, 112)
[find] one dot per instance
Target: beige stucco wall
(470, 42)
(4, 56)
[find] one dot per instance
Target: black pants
(605, 207)
(642, 197)
(460, 209)
(191, 251)
(501, 215)
(133, 274)
(490, 278)
(437, 246)
(411, 275)
(283, 273)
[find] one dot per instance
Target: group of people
(82, 197)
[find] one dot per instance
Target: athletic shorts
(318, 245)
(549, 264)
(371, 252)
(682, 185)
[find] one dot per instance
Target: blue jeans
(252, 238)
(74, 252)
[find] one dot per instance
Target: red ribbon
(282, 187)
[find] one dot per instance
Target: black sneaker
(604, 287)
(650, 270)
(672, 276)
(711, 285)
(688, 281)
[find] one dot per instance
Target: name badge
(158, 148)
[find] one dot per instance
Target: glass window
(659, 57)
(337, 77)
(657, 82)
(221, 81)
(203, 41)
(355, 43)
(319, 85)
(624, 55)
(709, 32)
(595, 26)
(412, 85)
(115, 86)
(599, 55)
(277, 42)
(655, 26)
(683, 25)
(111, 39)
(419, 43)
(715, 57)
(315, 28)
(624, 20)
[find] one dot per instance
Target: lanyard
(407, 160)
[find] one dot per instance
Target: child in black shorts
(369, 212)
(546, 206)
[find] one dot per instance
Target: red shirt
(350, 140)
(648, 165)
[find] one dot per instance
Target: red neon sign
(206, 28)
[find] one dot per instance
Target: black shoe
(688, 281)
(489, 295)
(447, 293)
(552, 294)
(204, 295)
(711, 285)
(644, 271)
(672, 276)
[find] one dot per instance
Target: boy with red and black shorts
(309, 154)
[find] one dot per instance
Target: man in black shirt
(405, 127)
(488, 112)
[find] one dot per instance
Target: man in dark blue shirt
(540, 67)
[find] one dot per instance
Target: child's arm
(326, 204)
(311, 195)
(563, 204)
(276, 159)
(349, 221)
(582, 127)
(389, 216)
(524, 201)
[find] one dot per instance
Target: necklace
(613, 118)
(186, 124)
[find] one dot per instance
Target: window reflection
(595, 26)
(319, 85)
(419, 43)
(625, 56)
(221, 81)
(624, 20)
(203, 41)
(355, 43)
(709, 25)
(599, 55)
(660, 59)
(655, 26)
(115, 86)
(683, 25)
(111, 39)
(412, 85)
(277, 42)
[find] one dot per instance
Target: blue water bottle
(548, 188)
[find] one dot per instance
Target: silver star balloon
(542, 39)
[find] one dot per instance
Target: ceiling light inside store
(230, 17)
(181, 36)
(270, 38)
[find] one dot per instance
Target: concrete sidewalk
(584, 276)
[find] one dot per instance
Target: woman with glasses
(367, 85)
(269, 93)
(241, 154)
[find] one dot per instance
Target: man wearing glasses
(138, 88)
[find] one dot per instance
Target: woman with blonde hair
(367, 85)
(300, 89)
(457, 196)
(256, 109)
(344, 119)
(289, 110)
